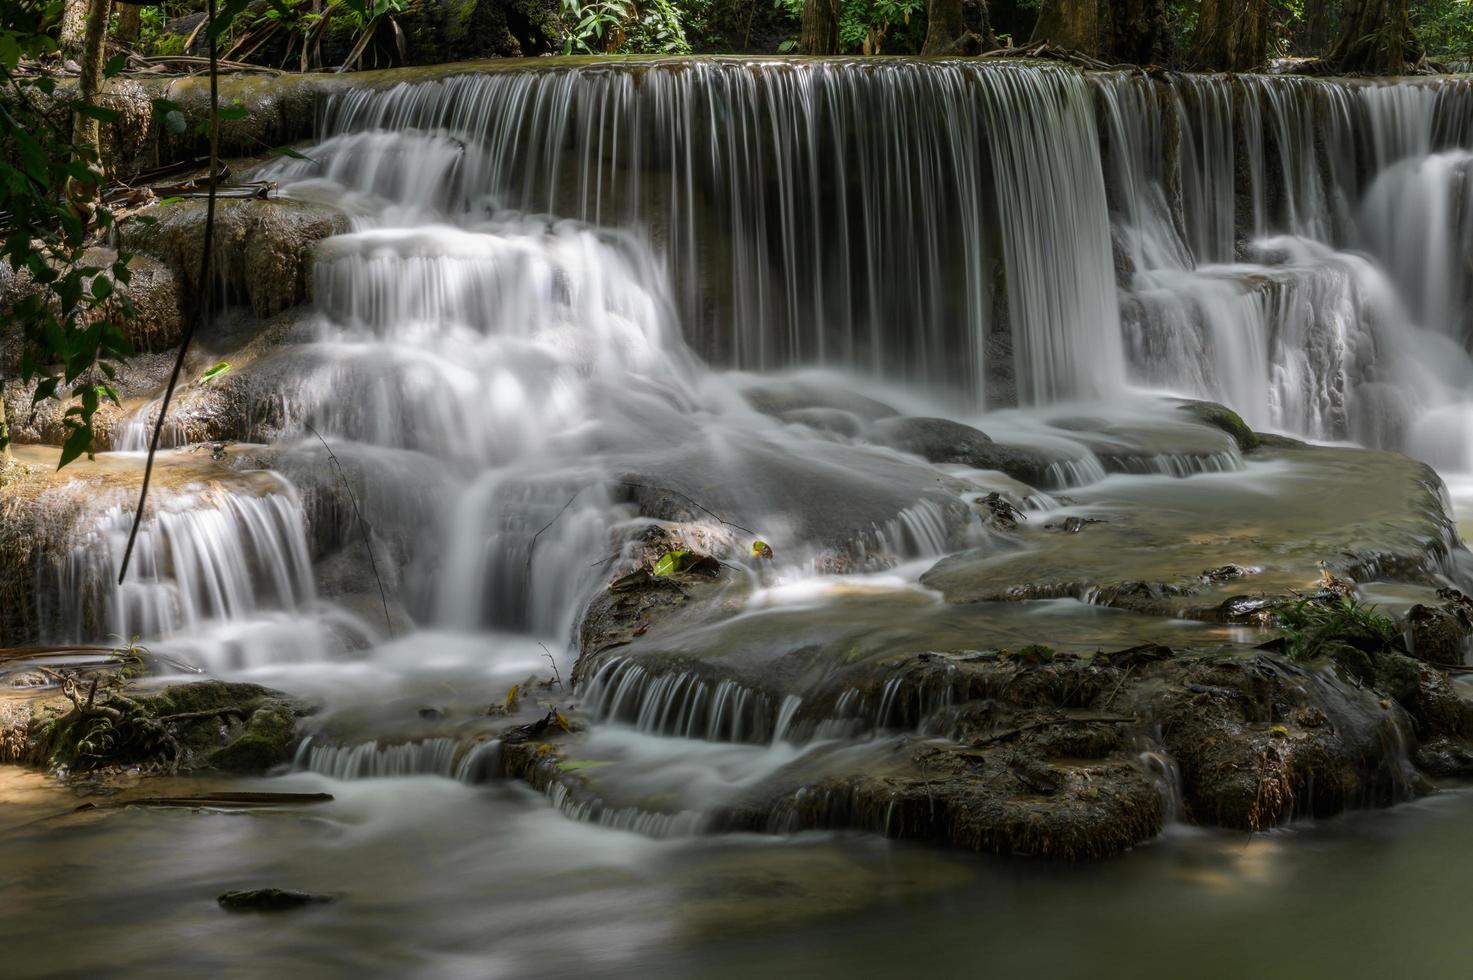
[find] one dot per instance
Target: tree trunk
(1376, 38)
(1232, 35)
(1135, 31)
(1073, 24)
(4, 432)
(820, 30)
(85, 128)
(944, 26)
(130, 19)
(1315, 38)
(74, 26)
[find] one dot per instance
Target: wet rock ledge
(1193, 650)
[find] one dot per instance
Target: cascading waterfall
(542, 263)
(806, 209)
(1249, 284)
(231, 561)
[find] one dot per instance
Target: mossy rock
(1224, 418)
(206, 725)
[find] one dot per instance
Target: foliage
(629, 27)
(69, 336)
(864, 25)
(658, 29)
(1445, 28)
(596, 26)
(1310, 625)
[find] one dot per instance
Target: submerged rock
(1388, 522)
(270, 900)
(937, 440)
(837, 506)
(944, 441)
(955, 723)
(777, 397)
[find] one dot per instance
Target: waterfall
(552, 266)
(1244, 209)
(232, 559)
(892, 217)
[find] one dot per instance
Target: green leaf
(46, 389)
(573, 765)
(9, 52)
(77, 443)
(231, 112)
(672, 562)
(286, 151)
(218, 369)
(115, 65)
(102, 288)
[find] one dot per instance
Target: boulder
(937, 440)
(263, 248)
(1439, 634)
(1224, 418)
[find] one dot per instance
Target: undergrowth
(1310, 625)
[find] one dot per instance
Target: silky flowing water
(565, 284)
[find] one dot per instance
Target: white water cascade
(585, 313)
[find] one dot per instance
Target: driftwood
(217, 801)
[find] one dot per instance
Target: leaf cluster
(66, 311)
(1311, 625)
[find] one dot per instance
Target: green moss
(1224, 418)
(204, 725)
(266, 742)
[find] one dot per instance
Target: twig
(921, 764)
(1124, 677)
(362, 525)
(1015, 732)
(532, 548)
(555, 674)
(688, 497)
(208, 309)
